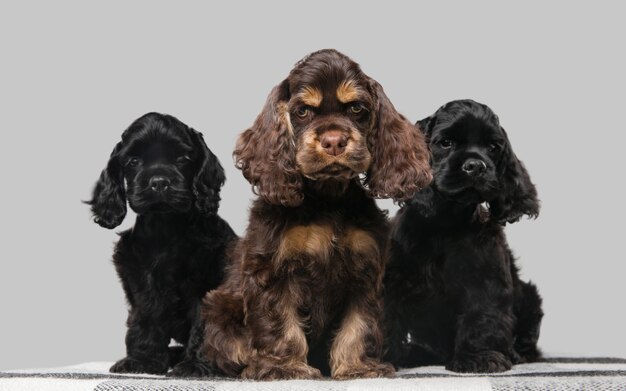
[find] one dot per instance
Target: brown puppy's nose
(334, 142)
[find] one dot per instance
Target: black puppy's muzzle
(159, 184)
(474, 167)
(159, 188)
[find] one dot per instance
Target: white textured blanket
(554, 375)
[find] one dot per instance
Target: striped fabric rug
(554, 374)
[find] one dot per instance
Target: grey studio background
(73, 75)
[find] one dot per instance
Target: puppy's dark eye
(303, 111)
(446, 143)
(493, 147)
(356, 108)
(134, 162)
(183, 159)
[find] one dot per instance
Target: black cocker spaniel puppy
(175, 252)
(452, 291)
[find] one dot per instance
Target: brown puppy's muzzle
(332, 148)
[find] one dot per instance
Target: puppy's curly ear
(265, 153)
(400, 158)
(209, 177)
(517, 195)
(425, 200)
(108, 201)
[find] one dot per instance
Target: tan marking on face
(311, 140)
(348, 91)
(311, 158)
(315, 240)
(311, 96)
(356, 144)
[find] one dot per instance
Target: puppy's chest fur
(151, 269)
(169, 267)
(325, 253)
(440, 259)
(325, 260)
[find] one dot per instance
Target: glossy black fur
(452, 291)
(175, 252)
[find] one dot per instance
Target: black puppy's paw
(175, 355)
(528, 354)
(132, 365)
(191, 368)
(485, 362)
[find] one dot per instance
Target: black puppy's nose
(159, 183)
(474, 167)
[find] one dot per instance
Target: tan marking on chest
(361, 242)
(314, 240)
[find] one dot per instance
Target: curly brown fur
(453, 294)
(273, 160)
(302, 296)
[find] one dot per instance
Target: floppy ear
(400, 158)
(209, 178)
(424, 201)
(517, 195)
(426, 126)
(108, 201)
(266, 152)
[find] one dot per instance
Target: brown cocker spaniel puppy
(303, 291)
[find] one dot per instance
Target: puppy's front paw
(527, 354)
(485, 362)
(284, 371)
(132, 365)
(191, 368)
(368, 369)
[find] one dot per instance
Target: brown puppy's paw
(268, 370)
(369, 369)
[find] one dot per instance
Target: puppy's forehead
(472, 128)
(155, 138)
(327, 78)
(343, 90)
